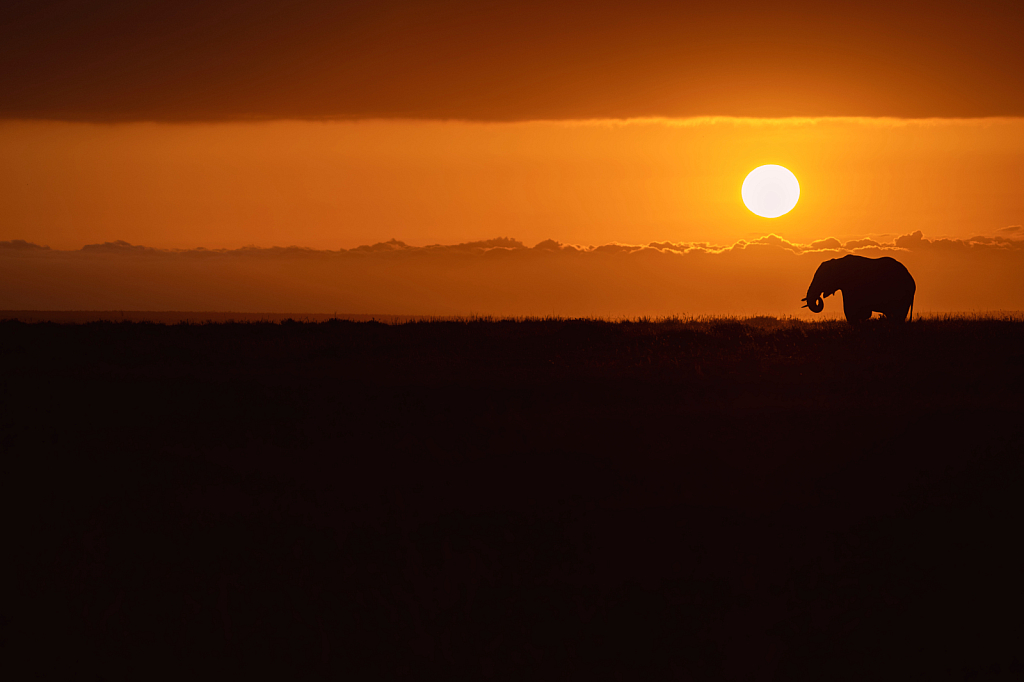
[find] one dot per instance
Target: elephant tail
(912, 308)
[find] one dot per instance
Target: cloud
(616, 248)
(859, 244)
(825, 244)
(22, 245)
(502, 276)
(915, 241)
(505, 243)
(768, 240)
(388, 246)
(216, 60)
(116, 246)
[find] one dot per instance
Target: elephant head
(824, 284)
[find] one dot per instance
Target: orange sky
(338, 185)
(183, 125)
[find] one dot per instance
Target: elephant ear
(827, 275)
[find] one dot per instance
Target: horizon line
(196, 317)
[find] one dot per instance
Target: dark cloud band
(207, 60)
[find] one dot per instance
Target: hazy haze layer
(502, 277)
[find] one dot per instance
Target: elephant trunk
(826, 282)
(814, 302)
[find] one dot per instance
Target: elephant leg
(858, 316)
(855, 311)
(897, 314)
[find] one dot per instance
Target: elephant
(882, 285)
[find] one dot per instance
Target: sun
(770, 191)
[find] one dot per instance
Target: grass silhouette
(689, 497)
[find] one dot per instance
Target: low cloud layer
(503, 276)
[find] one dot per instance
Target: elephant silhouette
(881, 285)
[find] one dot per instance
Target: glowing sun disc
(770, 191)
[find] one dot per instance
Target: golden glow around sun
(770, 191)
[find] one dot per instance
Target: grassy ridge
(720, 498)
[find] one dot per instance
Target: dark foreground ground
(514, 500)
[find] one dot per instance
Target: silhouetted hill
(705, 499)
